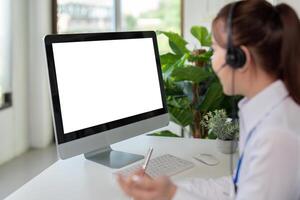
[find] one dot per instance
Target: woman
(268, 76)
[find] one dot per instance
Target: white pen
(137, 178)
(147, 159)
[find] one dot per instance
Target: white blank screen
(103, 81)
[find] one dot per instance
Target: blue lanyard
(240, 161)
(236, 177)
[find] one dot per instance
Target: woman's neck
(259, 85)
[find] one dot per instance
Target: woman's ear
(249, 59)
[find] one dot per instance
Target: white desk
(78, 178)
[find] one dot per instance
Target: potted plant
(191, 90)
(223, 128)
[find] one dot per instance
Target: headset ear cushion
(236, 57)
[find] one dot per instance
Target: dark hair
(273, 35)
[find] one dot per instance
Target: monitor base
(112, 159)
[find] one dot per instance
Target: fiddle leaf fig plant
(191, 87)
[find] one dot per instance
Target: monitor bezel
(56, 110)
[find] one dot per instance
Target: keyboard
(165, 165)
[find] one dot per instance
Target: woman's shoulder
(284, 120)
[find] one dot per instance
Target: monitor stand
(113, 159)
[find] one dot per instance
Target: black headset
(235, 56)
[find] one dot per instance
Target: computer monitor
(104, 88)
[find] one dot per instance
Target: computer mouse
(206, 159)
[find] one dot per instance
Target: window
(75, 16)
(5, 73)
(84, 16)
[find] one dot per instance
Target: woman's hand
(140, 186)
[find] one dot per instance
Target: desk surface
(78, 178)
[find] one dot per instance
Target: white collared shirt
(271, 164)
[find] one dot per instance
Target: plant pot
(227, 146)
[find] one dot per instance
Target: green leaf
(168, 69)
(168, 58)
(181, 102)
(180, 110)
(202, 35)
(169, 61)
(190, 73)
(213, 97)
(187, 88)
(176, 42)
(172, 88)
(181, 116)
(165, 133)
